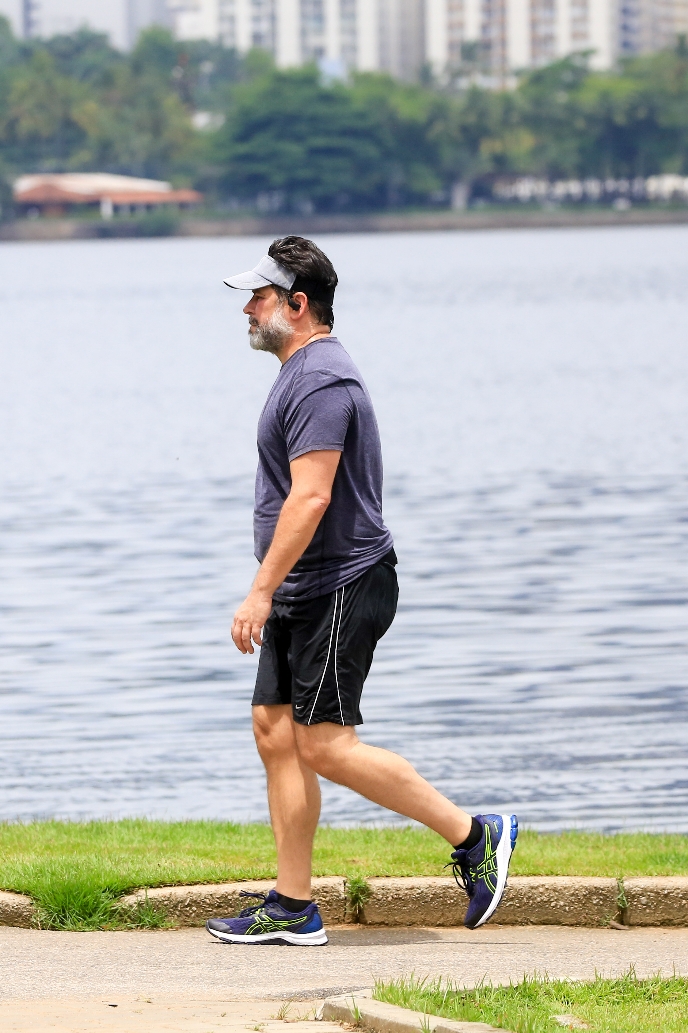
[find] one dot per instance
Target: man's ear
(298, 302)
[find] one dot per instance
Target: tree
(9, 48)
(549, 99)
(135, 126)
(83, 55)
(289, 138)
(156, 53)
(637, 120)
(480, 134)
(72, 102)
(38, 120)
(406, 120)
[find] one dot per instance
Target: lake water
(532, 394)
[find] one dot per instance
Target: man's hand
(249, 620)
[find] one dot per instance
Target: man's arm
(312, 476)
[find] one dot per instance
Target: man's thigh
(273, 727)
(330, 655)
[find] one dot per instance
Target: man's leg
(484, 844)
(287, 914)
(336, 753)
(293, 796)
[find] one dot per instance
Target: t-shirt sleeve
(317, 416)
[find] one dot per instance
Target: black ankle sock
(473, 837)
(292, 904)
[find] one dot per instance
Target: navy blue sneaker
(268, 922)
(482, 871)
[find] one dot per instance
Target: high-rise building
(403, 36)
(502, 36)
(401, 46)
(496, 37)
(338, 34)
(29, 18)
(647, 25)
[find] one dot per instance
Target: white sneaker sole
(504, 852)
(317, 939)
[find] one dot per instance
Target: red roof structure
(60, 190)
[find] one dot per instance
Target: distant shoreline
(276, 225)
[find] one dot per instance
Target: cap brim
(249, 281)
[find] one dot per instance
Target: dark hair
(315, 275)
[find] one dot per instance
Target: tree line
(289, 139)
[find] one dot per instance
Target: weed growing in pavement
(307, 1016)
(621, 901)
(358, 893)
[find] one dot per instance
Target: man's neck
(300, 340)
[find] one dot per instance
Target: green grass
(627, 1005)
(76, 871)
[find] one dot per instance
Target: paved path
(149, 1015)
(180, 980)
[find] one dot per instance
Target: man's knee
(273, 728)
(323, 746)
(311, 752)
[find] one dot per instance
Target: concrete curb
(360, 1010)
(656, 901)
(16, 910)
(432, 902)
(428, 902)
(529, 900)
(192, 905)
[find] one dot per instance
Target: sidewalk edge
(359, 1010)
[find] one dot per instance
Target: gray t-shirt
(319, 401)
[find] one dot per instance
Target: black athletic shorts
(316, 654)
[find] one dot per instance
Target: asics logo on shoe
(487, 870)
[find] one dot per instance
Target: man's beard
(272, 335)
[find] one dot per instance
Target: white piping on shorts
(336, 643)
(327, 660)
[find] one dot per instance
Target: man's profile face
(268, 328)
(260, 306)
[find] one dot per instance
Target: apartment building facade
(369, 35)
(514, 34)
(402, 37)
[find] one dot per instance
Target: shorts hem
(325, 720)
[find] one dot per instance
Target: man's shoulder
(327, 358)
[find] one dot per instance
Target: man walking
(324, 594)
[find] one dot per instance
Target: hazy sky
(67, 15)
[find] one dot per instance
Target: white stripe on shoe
(315, 939)
(503, 852)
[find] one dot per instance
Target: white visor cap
(267, 273)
